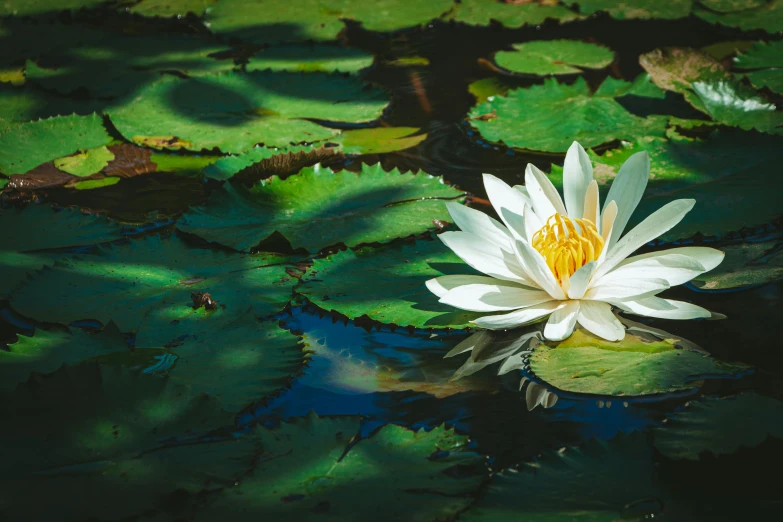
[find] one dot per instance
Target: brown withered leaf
(283, 165)
(129, 161)
(41, 177)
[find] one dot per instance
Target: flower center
(567, 245)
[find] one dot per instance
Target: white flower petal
(580, 280)
(676, 269)
(536, 269)
(493, 298)
(486, 257)
(607, 222)
(532, 224)
(518, 317)
(562, 321)
(523, 190)
(627, 190)
(577, 175)
(591, 207)
(664, 309)
(653, 226)
(625, 289)
(598, 319)
(509, 203)
(478, 223)
(441, 285)
(545, 199)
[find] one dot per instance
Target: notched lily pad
(303, 474)
(764, 65)
(391, 287)
(547, 57)
(318, 208)
(720, 426)
(631, 367)
(262, 162)
(744, 14)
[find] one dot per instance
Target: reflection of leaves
(229, 355)
(244, 110)
(598, 482)
(103, 425)
(27, 145)
(125, 282)
(546, 57)
(318, 208)
(557, 114)
(634, 366)
(387, 284)
(46, 351)
(303, 475)
(720, 426)
(38, 227)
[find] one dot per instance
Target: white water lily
(569, 260)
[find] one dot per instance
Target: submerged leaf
(303, 474)
(387, 284)
(318, 208)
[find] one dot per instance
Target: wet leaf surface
(554, 57)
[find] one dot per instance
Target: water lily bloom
(569, 259)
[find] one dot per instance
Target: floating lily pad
(37, 227)
(125, 282)
(391, 287)
(111, 429)
(720, 426)
(24, 103)
(46, 351)
(379, 140)
(27, 145)
(39, 7)
(405, 472)
(265, 162)
(244, 110)
(318, 208)
(764, 62)
(746, 264)
(310, 58)
(746, 15)
(271, 21)
(585, 364)
(626, 9)
(85, 163)
(90, 184)
(546, 57)
(510, 14)
(229, 355)
(556, 114)
(602, 481)
(734, 104)
(169, 8)
(721, 50)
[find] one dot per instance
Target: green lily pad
(170, 8)
(720, 426)
(584, 364)
(391, 287)
(271, 21)
(379, 140)
(764, 62)
(229, 355)
(318, 208)
(602, 481)
(745, 264)
(310, 58)
(556, 115)
(303, 475)
(85, 163)
(266, 162)
(244, 110)
(513, 15)
(644, 9)
(39, 7)
(46, 351)
(748, 15)
(23, 104)
(111, 429)
(546, 57)
(90, 184)
(182, 164)
(37, 227)
(27, 145)
(107, 65)
(722, 50)
(734, 104)
(125, 282)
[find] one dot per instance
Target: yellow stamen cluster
(567, 245)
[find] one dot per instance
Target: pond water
(217, 220)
